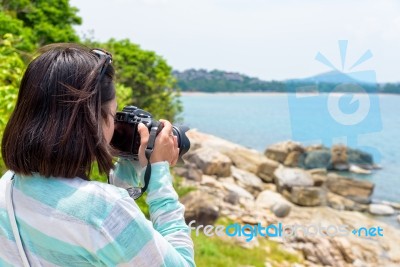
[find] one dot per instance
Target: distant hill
(330, 77)
(222, 81)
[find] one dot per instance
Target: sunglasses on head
(108, 60)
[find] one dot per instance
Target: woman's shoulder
(72, 200)
(105, 191)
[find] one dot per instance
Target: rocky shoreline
(291, 184)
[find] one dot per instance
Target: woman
(51, 214)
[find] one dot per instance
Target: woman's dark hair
(56, 126)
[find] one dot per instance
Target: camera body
(126, 138)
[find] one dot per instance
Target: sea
(257, 120)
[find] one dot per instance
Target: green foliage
(149, 77)
(212, 251)
(39, 22)
(10, 24)
(180, 189)
(11, 68)
(124, 95)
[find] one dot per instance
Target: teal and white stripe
(73, 222)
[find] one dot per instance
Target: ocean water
(259, 120)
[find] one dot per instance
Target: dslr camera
(126, 138)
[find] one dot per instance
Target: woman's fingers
(175, 151)
(165, 147)
(144, 138)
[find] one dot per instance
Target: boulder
(275, 202)
(358, 169)
(242, 193)
(339, 158)
(359, 191)
(318, 179)
(320, 171)
(338, 202)
(281, 209)
(360, 158)
(293, 159)
(380, 209)
(200, 207)
(286, 178)
(211, 182)
(280, 151)
(316, 159)
(247, 180)
(254, 162)
(307, 196)
(211, 162)
(189, 171)
(232, 198)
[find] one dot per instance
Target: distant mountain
(330, 77)
(222, 81)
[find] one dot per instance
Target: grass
(212, 251)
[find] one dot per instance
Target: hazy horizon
(264, 39)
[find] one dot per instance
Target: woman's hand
(165, 147)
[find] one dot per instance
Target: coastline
(276, 93)
(246, 187)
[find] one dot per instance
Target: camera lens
(183, 140)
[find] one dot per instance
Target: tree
(148, 76)
(11, 66)
(39, 22)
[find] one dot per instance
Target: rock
(270, 187)
(242, 193)
(230, 180)
(360, 158)
(249, 220)
(394, 205)
(211, 162)
(398, 218)
(247, 180)
(200, 207)
(286, 178)
(319, 171)
(210, 182)
(380, 209)
(293, 159)
(339, 158)
(254, 162)
(273, 201)
(356, 190)
(232, 198)
(281, 209)
(319, 180)
(341, 203)
(280, 151)
(357, 169)
(189, 171)
(307, 196)
(316, 159)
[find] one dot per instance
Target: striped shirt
(74, 222)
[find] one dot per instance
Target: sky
(271, 40)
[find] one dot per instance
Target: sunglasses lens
(101, 53)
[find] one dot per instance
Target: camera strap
(149, 149)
